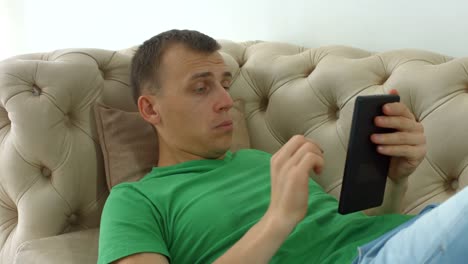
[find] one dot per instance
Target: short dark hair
(147, 59)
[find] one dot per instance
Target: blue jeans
(437, 235)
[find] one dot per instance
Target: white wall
(11, 28)
(33, 26)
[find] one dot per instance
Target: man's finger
(399, 123)
(307, 147)
(311, 161)
(288, 149)
(397, 109)
(404, 151)
(315, 144)
(393, 91)
(399, 138)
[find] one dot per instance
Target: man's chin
(218, 153)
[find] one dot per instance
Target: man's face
(193, 102)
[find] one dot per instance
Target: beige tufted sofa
(53, 187)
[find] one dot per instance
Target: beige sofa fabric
(71, 248)
(52, 179)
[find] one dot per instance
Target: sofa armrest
(76, 247)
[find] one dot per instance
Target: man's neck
(168, 158)
(171, 156)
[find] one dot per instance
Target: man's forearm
(393, 199)
(259, 244)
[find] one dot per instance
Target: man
(204, 204)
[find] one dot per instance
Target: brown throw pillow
(129, 144)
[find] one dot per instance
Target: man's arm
(128, 224)
(258, 245)
(143, 258)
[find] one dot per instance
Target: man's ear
(148, 108)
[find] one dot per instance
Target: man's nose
(224, 101)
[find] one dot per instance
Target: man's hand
(406, 146)
(290, 170)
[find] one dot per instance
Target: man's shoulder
(134, 186)
(134, 189)
(127, 189)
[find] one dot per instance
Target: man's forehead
(205, 65)
(180, 55)
(181, 62)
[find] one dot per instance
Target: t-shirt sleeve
(130, 224)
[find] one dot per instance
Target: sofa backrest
(51, 167)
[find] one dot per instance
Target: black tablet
(366, 170)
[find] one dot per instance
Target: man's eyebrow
(201, 75)
(209, 74)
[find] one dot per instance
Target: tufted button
(4, 119)
(36, 90)
(241, 63)
(103, 73)
(264, 104)
(310, 71)
(384, 79)
(334, 112)
(454, 184)
(46, 172)
(73, 219)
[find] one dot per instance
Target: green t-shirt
(195, 211)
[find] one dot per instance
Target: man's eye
(226, 85)
(200, 90)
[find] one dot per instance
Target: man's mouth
(226, 125)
